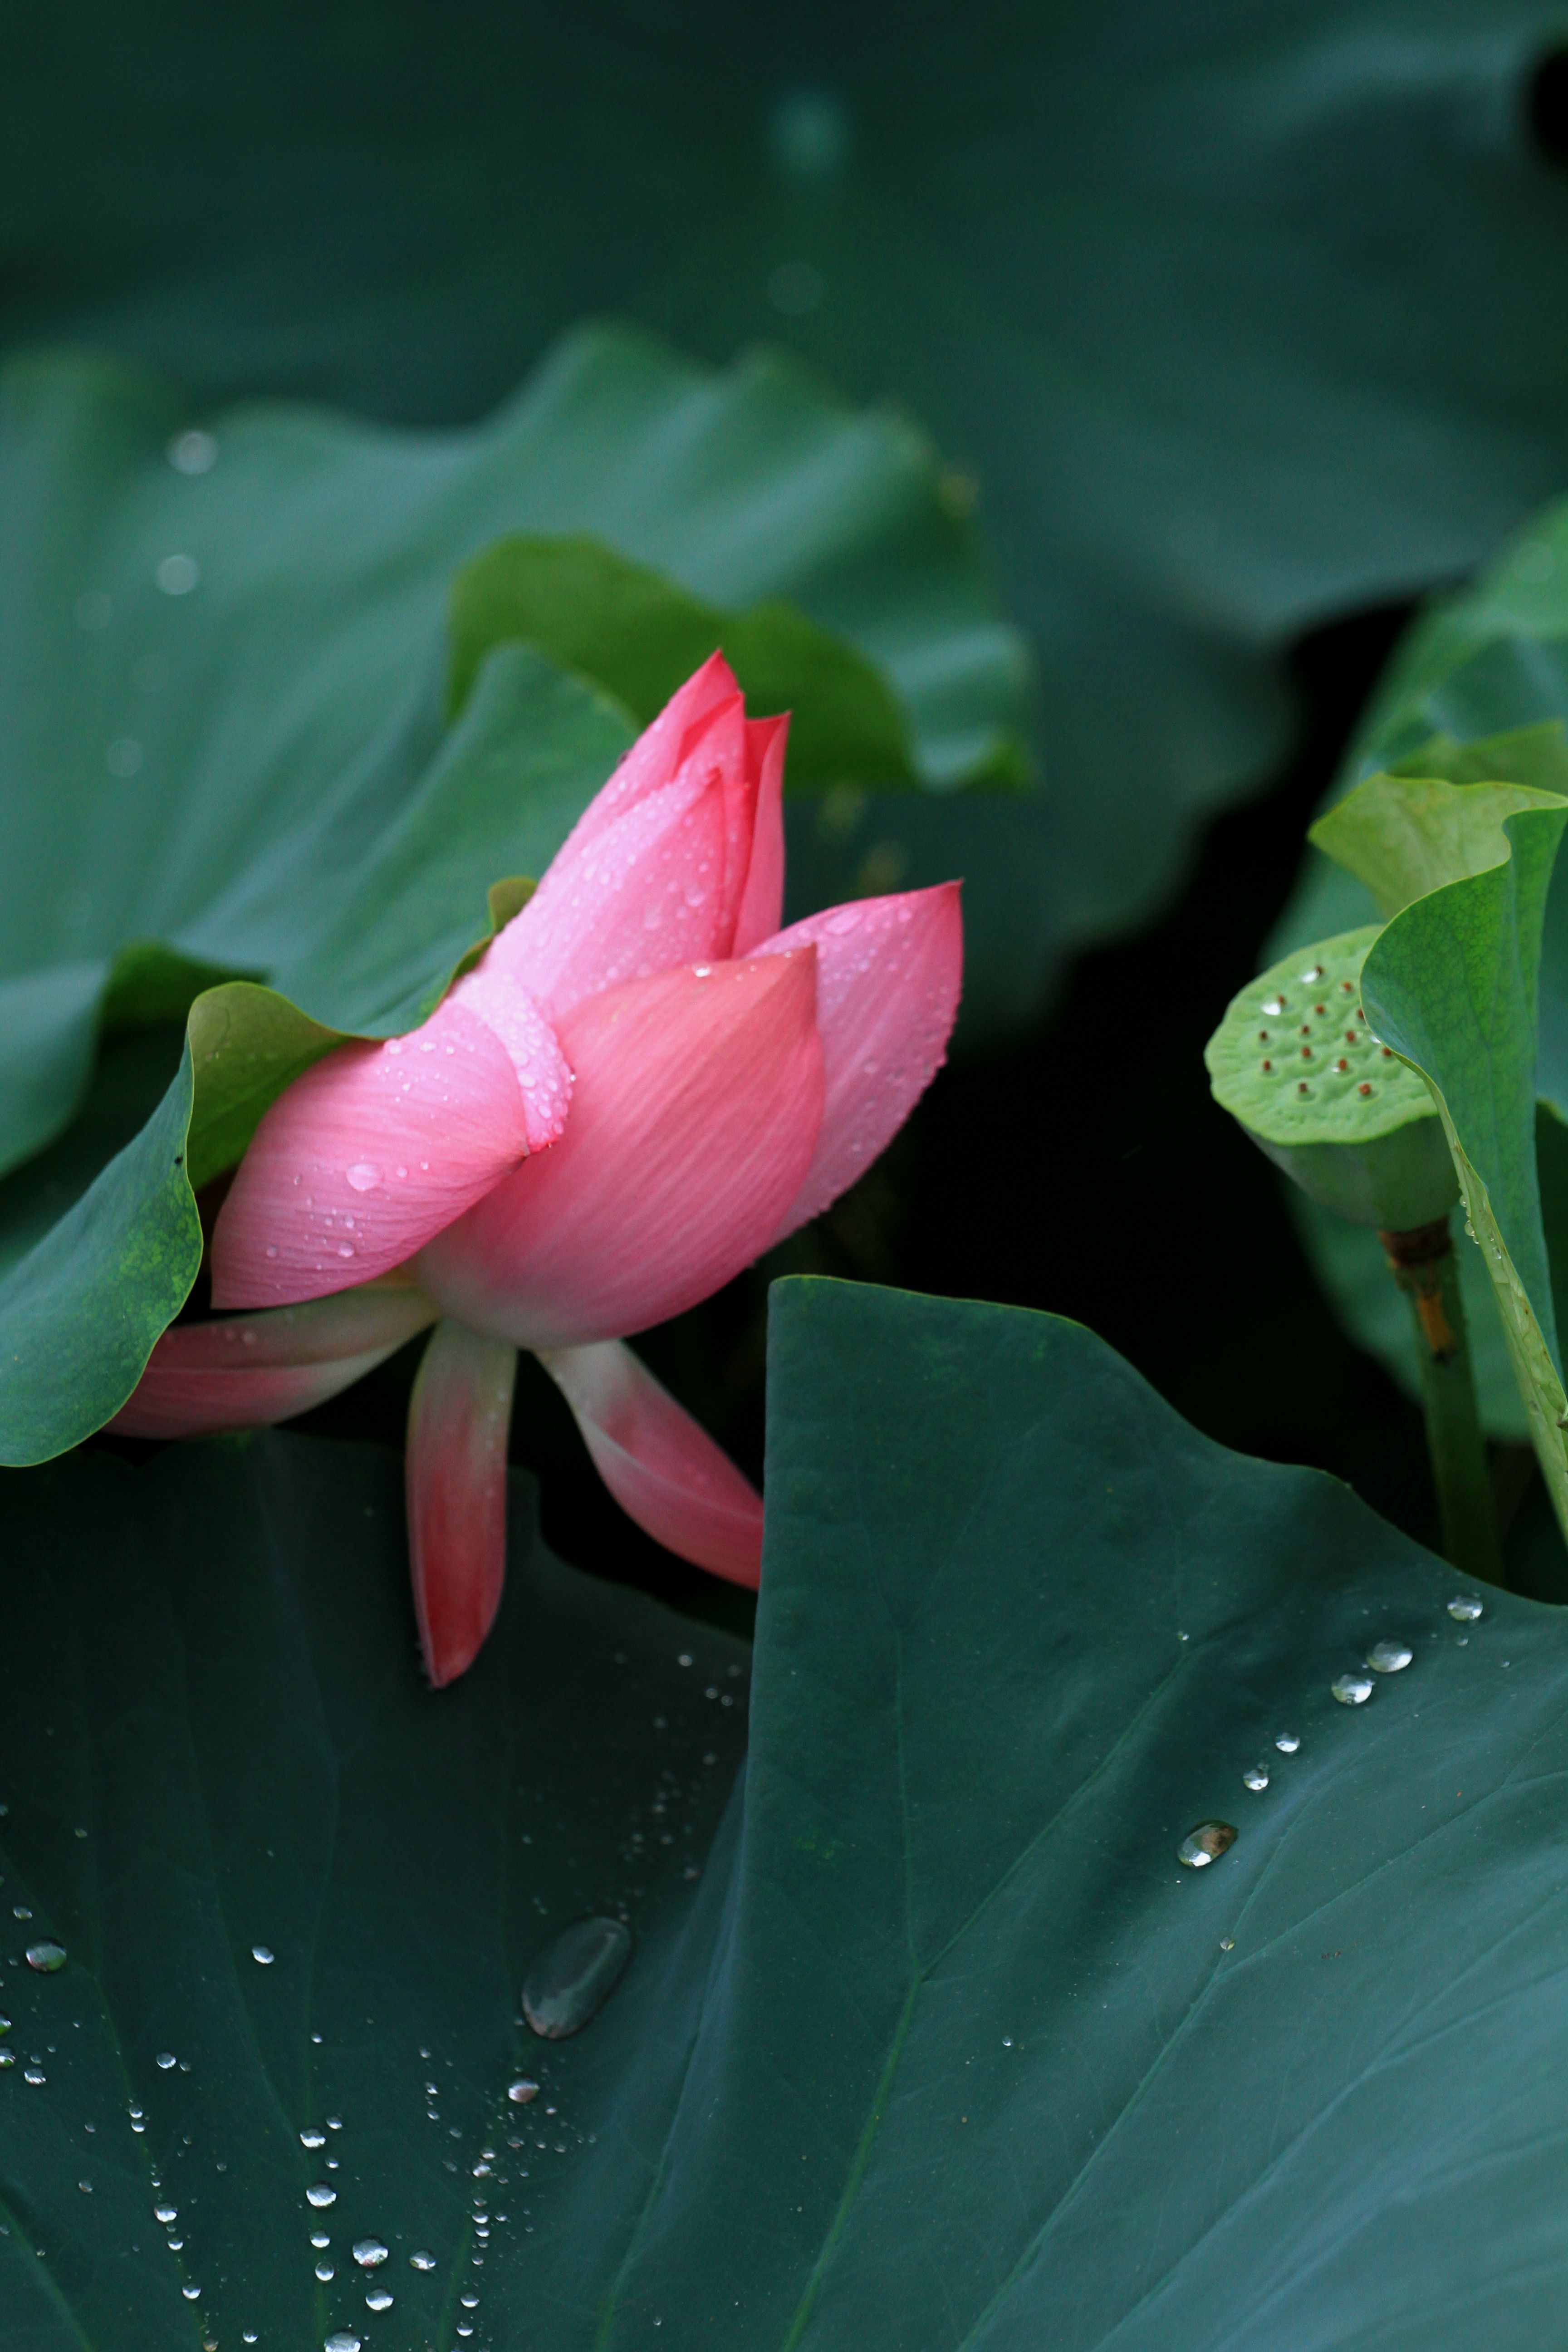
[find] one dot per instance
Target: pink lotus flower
(642, 1086)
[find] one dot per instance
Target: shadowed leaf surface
(944, 2049)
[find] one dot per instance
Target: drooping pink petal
(694, 1118)
(641, 896)
(250, 1369)
(889, 976)
(661, 750)
(455, 1475)
(661, 1466)
(363, 1157)
(761, 900)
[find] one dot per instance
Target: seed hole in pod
(1363, 1089)
(1341, 1064)
(1302, 1088)
(1305, 1053)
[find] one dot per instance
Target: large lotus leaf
(941, 2049)
(222, 690)
(1232, 315)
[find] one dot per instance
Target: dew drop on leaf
(1205, 1843)
(1287, 1743)
(574, 1975)
(46, 1958)
(1351, 1690)
(369, 2253)
(1466, 1608)
(1255, 1777)
(1390, 1656)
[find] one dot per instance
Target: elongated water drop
(421, 2261)
(261, 1956)
(369, 2253)
(46, 1958)
(165, 2214)
(320, 2194)
(521, 2093)
(1206, 1844)
(1464, 1607)
(342, 2342)
(1389, 1657)
(311, 2138)
(573, 1976)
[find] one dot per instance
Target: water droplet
(191, 2293)
(1255, 1777)
(1205, 1843)
(325, 2271)
(369, 2253)
(193, 452)
(33, 2075)
(320, 2193)
(319, 2238)
(311, 2138)
(1351, 1690)
(260, 1953)
(46, 1958)
(1227, 1943)
(1287, 1743)
(166, 2059)
(335, 2123)
(20, 1911)
(178, 575)
(1389, 1657)
(1466, 1608)
(422, 2261)
(342, 2342)
(345, 1249)
(520, 2092)
(7, 2057)
(379, 2298)
(363, 1175)
(1314, 973)
(165, 2214)
(575, 1974)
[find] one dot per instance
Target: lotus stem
(1422, 1263)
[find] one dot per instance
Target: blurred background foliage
(1230, 322)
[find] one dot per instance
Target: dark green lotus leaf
(1228, 317)
(222, 690)
(943, 2048)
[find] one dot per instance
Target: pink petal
(543, 1079)
(250, 1370)
(661, 750)
(364, 1157)
(663, 1469)
(641, 896)
(455, 1475)
(889, 976)
(761, 901)
(695, 1115)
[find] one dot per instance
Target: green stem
(1422, 1263)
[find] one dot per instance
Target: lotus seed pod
(1294, 1062)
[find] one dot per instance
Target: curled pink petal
(761, 900)
(364, 1157)
(250, 1369)
(661, 1466)
(694, 1117)
(640, 895)
(455, 1475)
(889, 976)
(661, 750)
(544, 1078)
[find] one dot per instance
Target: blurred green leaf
(942, 2049)
(1228, 317)
(640, 637)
